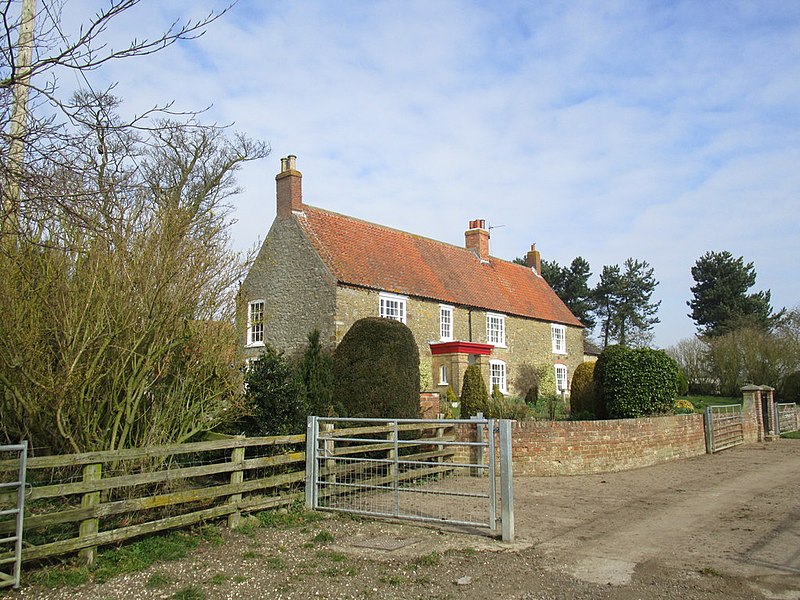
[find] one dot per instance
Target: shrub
(790, 388)
(474, 397)
(582, 397)
(376, 371)
(547, 381)
(316, 372)
(683, 407)
(681, 383)
(506, 407)
(635, 383)
(275, 395)
(447, 402)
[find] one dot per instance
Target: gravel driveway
(722, 526)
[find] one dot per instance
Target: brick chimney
(477, 238)
(289, 184)
(534, 260)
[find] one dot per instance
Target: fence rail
(107, 497)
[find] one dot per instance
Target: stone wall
(297, 287)
(528, 341)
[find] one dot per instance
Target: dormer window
(392, 307)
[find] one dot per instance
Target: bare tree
(37, 135)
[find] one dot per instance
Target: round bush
(683, 407)
(582, 397)
(636, 383)
(376, 371)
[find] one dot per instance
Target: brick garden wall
(579, 447)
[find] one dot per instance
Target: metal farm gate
(724, 427)
(413, 469)
(786, 417)
(13, 460)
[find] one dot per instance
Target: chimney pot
(477, 238)
(289, 187)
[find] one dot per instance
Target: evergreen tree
(316, 373)
(721, 302)
(624, 305)
(571, 284)
(474, 396)
(275, 395)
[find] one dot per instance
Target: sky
(656, 130)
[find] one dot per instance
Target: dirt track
(723, 526)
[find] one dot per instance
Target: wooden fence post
(237, 458)
(89, 527)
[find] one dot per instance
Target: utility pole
(19, 116)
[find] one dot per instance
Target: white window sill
(443, 383)
(255, 345)
(561, 352)
(497, 345)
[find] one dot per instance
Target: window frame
(502, 376)
(443, 375)
(385, 298)
(447, 310)
(558, 333)
(563, 368)
(252, 325)
(501, 329)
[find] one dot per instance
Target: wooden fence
(81, 501)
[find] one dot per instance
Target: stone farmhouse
(321, 270)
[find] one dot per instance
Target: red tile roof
(373, 256)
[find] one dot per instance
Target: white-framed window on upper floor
(443, 375)
(255, 323)
(495, 329)
(392, 306)
(559, 335)
(445, 323)
(497, 376)
(561, 378)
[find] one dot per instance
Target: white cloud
(607, 130)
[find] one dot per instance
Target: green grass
(323, 537)
(158, 579)
(700, 402)
(189, 593)
(218, 579)
(283, 519)
(428, 560)
(791, 435)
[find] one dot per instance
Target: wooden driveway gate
(724, 427)
(412, 469)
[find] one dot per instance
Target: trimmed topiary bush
(582, 398)
(474, 397)
(790, 388)
(376, 371)
(635, 383)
